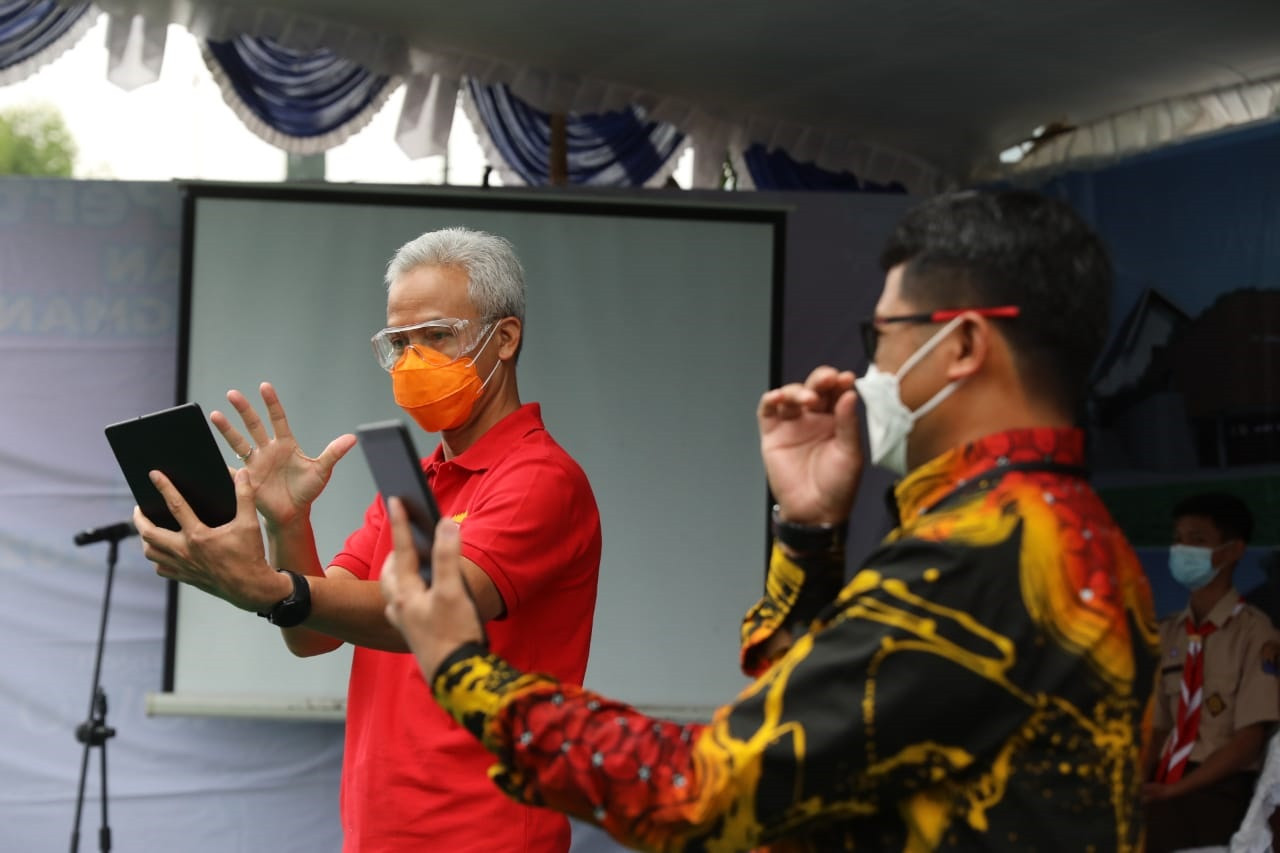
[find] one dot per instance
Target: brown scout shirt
(1240, 685)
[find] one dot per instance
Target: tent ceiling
(950, 81)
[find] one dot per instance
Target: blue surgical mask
(1191, 565)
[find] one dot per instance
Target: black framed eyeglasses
(871, 333)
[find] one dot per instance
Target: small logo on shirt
(1271, 659)
(1215, 704)
(458, 517)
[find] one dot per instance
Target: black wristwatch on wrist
(809, 539)
(294, 609)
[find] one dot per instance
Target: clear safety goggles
(450, 337)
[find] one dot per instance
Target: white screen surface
(647, 341)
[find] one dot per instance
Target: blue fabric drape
(620, 148)
(29, 28)
(776, 170)
(299, 93)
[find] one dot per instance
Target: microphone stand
(94, 731)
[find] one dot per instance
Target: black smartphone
(397, 472)
(179, 443)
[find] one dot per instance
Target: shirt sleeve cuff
(471, 685)
(795, 591)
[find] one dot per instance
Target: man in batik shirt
(980, 682)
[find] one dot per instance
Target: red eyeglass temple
(998, 311)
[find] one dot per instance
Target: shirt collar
(496, 442)
(1221, 612)
(924, 487)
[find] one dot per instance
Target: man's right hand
(809, 439)
(286, 480)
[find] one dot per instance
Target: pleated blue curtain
(620, 148)
(303, 94)
(777, 170)
(29, 31)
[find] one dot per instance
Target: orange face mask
(437, 391)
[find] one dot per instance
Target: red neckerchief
(1173, 759)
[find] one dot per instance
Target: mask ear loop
(935, 401)
(476, 353)
(915, 358)
(1215, 550)
(928, 346)
(496, 364)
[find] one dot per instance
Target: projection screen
(652, 329)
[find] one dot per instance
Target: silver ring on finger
(244, 457)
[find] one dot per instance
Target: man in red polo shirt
(412, 778)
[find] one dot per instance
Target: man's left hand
(435, 621)
(227, 561)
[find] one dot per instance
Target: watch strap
(294, 608)
(806, 539)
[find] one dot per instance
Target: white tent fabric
(1154, 125)
(135, 50)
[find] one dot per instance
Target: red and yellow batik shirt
(979, 683)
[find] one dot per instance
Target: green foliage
(34, 140)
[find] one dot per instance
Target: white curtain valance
(1148, 127)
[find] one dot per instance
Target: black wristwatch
(293, 610)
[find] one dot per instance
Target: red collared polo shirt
(412, 779)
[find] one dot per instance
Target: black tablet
(179, 443)
(397, 472)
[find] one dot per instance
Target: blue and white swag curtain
(306, 100)
(310, 101)
(303, 101)
(33, 34)
(622, 148)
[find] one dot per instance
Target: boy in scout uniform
(1216, 694)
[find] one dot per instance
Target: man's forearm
(653, 784)
(342, 609)
(294, 548)
(345, 609)
(1244, 748)
(571, 750)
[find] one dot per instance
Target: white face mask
(889, 421)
